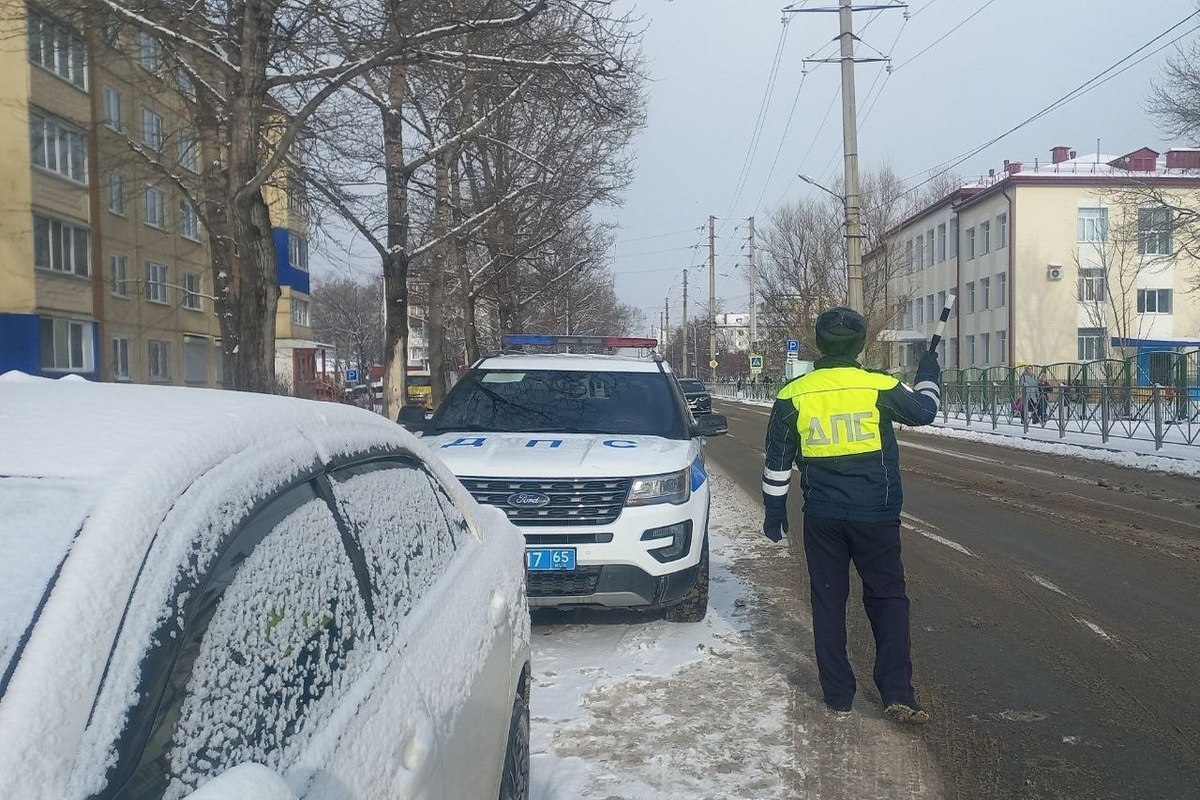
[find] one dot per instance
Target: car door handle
(417, 750)
(498, 609)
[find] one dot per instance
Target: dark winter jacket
(835, 424)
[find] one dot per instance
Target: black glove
(928, 367)
(775, 523)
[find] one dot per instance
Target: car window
(272, 635)
(407, 528)
(692, 385)
(548, 401)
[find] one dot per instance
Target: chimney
(1012, 167)
(1074, 155)
(1060, 154)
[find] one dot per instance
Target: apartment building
(104, 267)
(1067, 260)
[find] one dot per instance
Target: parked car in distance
(221, 595)
(699, 399)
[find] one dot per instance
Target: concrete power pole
(845, 11)
(666, 322)
(753, 295)
(712, 297)
(685, 325)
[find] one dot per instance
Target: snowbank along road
(1056, 622)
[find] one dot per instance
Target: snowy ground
(633, 708)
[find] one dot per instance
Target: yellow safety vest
(837, 410)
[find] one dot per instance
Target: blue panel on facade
(20, 343)
(285, 273)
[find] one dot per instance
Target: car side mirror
(245, 782)
(710, 425)
(413, 418)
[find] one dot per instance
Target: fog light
(680, 535)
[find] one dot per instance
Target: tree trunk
(438, 368)
(396, 262)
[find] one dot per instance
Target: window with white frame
(908, 314)
(189, 221)
(187, 87)
(1001, 347)
(1002, 231)
(941, 300)
(985, 293)
(1154, 301)
(152, 130)
(67, 345)
(149, 52)
(195, 359)
(155, 208)
(120, 351)
(1093, 224)
(118, 275)
(57, 48)
(60, 246)
(191, 291)
(929, 249)
(919, 307)
(116, 194)
(189, 150)
(112, 31)
(930, 311)
(158, 359)
(970, 351)
(156, 282)
(114, 116)
(970, 297)
(298, 251)
(919, 252)
(985, 347)
(908, 255)
(219, 361)
(57, 147)
(952, 233)
(1001, 289)
(1154, 231)
(1090, 344)
(952, 352)
(985, 237)
(1092, 286)
(300, 312)
(970, 243)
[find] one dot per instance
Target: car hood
(542, 455)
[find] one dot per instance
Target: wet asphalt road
(1056, 616)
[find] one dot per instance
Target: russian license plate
(542, 559)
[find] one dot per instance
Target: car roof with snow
(574, 362)
(93, 474)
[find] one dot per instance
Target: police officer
(835, 424)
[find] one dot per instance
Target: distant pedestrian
(835, 423)
(1031, 395)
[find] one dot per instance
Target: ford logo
(529, 500)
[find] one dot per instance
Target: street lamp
(854, 295)
(812, 182)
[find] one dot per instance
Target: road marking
(918, 520)
(953, 545)
(1045, 584)
(1096, 629)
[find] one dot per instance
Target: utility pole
(712, 296)
(753, 295)
(666, 321)
(845, 11)
(685, 325)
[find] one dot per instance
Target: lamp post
(854, 289)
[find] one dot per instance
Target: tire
(694, 605)
(514, 783)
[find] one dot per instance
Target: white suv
(599, 463)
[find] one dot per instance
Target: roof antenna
(1097, 151)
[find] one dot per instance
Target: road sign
(713, 364)
(351, 376)
(756, 364)
(793, 346)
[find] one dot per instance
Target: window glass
(269, 644)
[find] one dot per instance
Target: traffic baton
(941, 326)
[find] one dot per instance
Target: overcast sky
(711, 60)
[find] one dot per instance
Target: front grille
(596, 501)
(575, 583)
(568, 538)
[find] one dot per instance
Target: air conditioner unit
(1054, 273)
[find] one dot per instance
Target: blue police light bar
(544, 340)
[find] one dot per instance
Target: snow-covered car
(699, 399)
(228, 596)
(598, 461)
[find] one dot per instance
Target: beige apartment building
(104, 267)
(1069, 260)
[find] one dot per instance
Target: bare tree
(349, 314)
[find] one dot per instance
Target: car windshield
(562, 401)
(692, 386)
(419, 380)
(41, 517)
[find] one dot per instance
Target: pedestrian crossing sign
(756, 364)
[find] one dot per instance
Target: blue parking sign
(351, 376)
(793, 346)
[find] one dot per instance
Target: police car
(598, 461)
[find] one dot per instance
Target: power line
(944, 36)
(655, 236)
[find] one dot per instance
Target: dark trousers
(874, 547)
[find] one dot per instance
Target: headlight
(674, 488)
